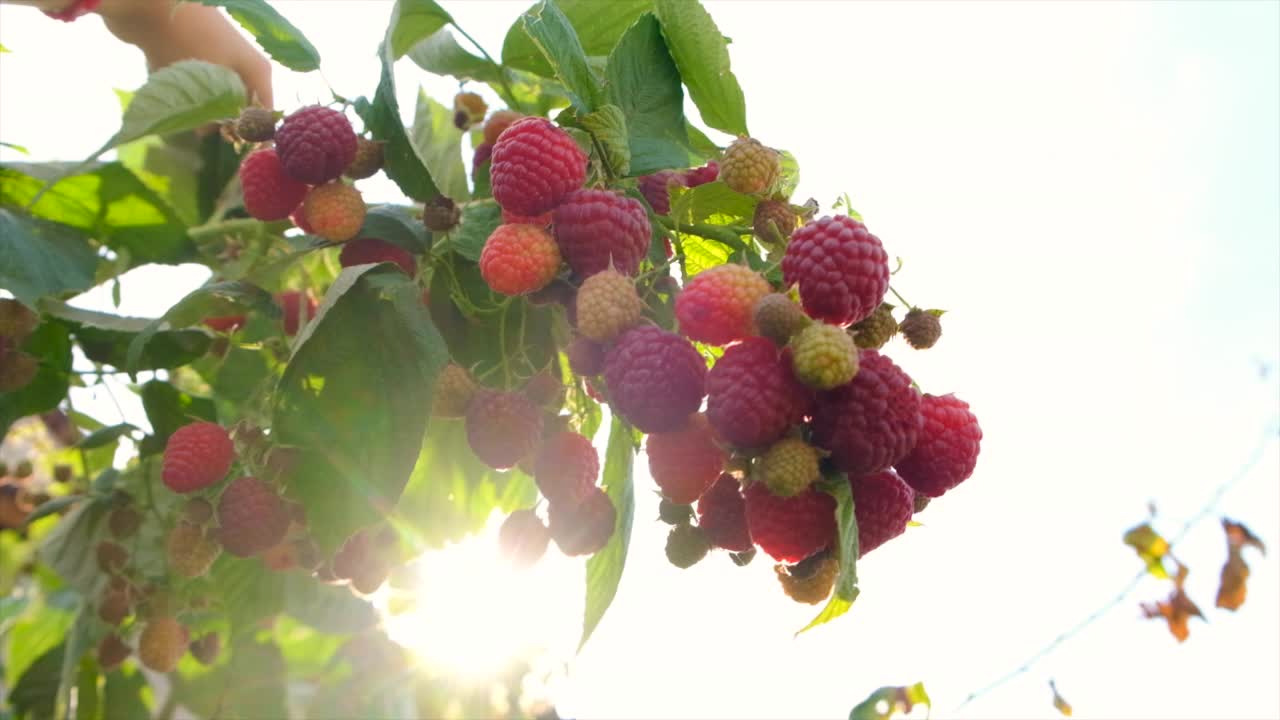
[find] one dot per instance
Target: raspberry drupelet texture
(788, 467)
(197, 456)
(921, 328)
(722, 515)
(685, 462)
(162, 644)
(498, 121)
(566, 467)
(686, 545)
(585, 526)
(534, 165)
(717, 306)
(542, 221)
(596, 228)
(778, 318)
(453, 393)
(256, 124)
(189, 552)
(702, 175)
(335, 211)
(872, 422)
(367, 161)
(876, 329)
(502, 427)
(773, 222)
(316, 144)
(809, 581)
(749, 167)
(251, 517)
(372, 250)
(790, 529)
(656, 189)
(752, 397)
(656, 378)
(586, 357)
(841, 269)
(882, 505)
(607, 305)
(947, 451)
(823, 356)
(269, 193)
(519, 259)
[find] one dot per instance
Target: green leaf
(181, 96)
(88, 699)
(68, 548)
(789, 179)
(277, 36)
(212, 300)
(702, 254)
(52, 346)
(327, 608)
(553, 35)
(123, 695)
(106, 338)
(604, 569)
(382, 119)
(359, 439)
(711, 202)
(168, 409)
(609, 128)
(36, 693)
(397, 225)
(598, 25)
(438, 143)
(643, 81)
(701, 54)
(412, 21)
(39, 258)
(441, 54)
(846, 590)
(893, 700)
(52, 507)
(105, 436)
(479, 220)
(251, 592)
(700, 143)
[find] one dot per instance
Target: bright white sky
(1091, 190)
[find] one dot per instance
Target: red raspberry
(841, 268)
(752, 397)
(656, 378)
(224, 323)
(502, 427)
(882, 505)
(197, 456)
(598, 227)
(722, 515)
(335, 211)
(656, 189)
(519, 259)
(372, 250)
(269, 194)
(717, 305)
(542, 221)
(523, 538)
(251, 517)
(703, 175)
(316, 144)
(498, 121)
(299, 218)
(534, 165)
(586, 358)
(686, 461)
(566, 467)
(790, 529)
(871, 422)
(583, 527)
(947, 451)
(480, 160)
(291, 304)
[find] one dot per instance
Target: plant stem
(900, 298)
(730, 235)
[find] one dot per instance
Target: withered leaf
(1177, 610)
(1060, 702)
(1235, 573)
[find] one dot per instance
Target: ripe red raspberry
(686, 545)
(656, 188)
(702, 175)
(502, 428)
(841, 268)
(299, 218)
(316, 144)
(112, 652)
(717, 306)
(519, 259)
(788, 467)
(749, 167)
(598, 227)
(162, 644)
(498, 121)
(921, 328)
(224, 323)
(523, 538)
(292, 304)
(586, 357)
(534, 165)
(197, 456)
(873, 421)
(790, 529)
(686, 461)
(566, 468)
(367, 161)
(585, 526)
(372, 250)
(607, 304)
(773, 222)
(189, 552)
(656, 378)
(882, 505)
(453, 393)
(947, 451)
(752, 397)
(823, 356)
(542, 221)
(722, 515)
(251, 516)
(481, 160)
(335, 211)
(269, 194)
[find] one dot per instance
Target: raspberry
(502, 427)
(656, 189)
(481, 161)
(113, 607)
(252, 517)
(256, 124)
(468, 109)
(685, 462)
(921, 328)
(542, 221)
(598, 227)
(123, 522)
(357, 553)
(841, 268)
(224, 323)
(686, 545)
(722, 515)
(292, 303)
(366, 251)
(947, 451)
(519, 259)
(882, 505)
(316, 144)
(810, 581)
(269, 193)
(920, 501)
(752, 397)
(190, 553)
(749, 167)
(876, 329)
(523, 538)
(206, 648)
(717, 305)
(17, 321)
(823, 356)
(586, 357)
(673, 513)
(607, 305)
(498, 121)
(197, 456)
(702, 175)
(367, 161)
(873, 421)
(334, 211)
(773, 222)
(162, 644)
(545, 390)
(197, 511)
(790, 529)
(534, 165)
(566, 467)
(441, 214)
(453, 392)
(778, 317)
(583, 527)
(112, 652)
(656, 378)
(788, 467)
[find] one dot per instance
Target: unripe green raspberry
(368, 159)
(778, 318)
(773, 222)
(920, 502)
(749, 167)
(674, 513)
(921, 328)
(788, 467)
(876, 329)
(607, 304)
(190, 552)
(686, 545)
(256, 124)
(453, 393)
(824, 356)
